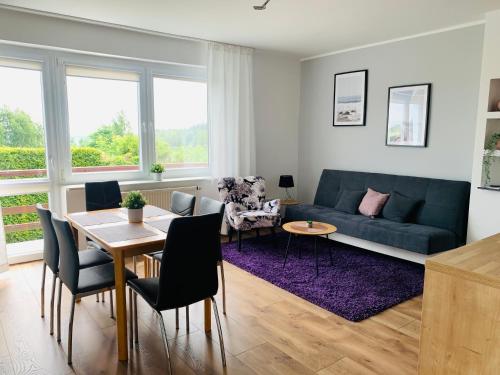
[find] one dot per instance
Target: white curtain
(3, 247)
(230, 110)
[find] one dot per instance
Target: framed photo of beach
(349, 98)
(408, 115)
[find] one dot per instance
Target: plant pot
(135, 215)
(310, 225)
(158, 176)
(498, 145)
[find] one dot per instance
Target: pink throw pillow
(372, 203)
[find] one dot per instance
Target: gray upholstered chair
(80, 282)
(246, 208)
(87, 258)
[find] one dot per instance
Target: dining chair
(184, 256)
(181, 204)
(207, 206)
(80, 282)
(103, 195)
(87, 258)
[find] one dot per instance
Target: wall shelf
(493, 115)
(488, 188)
(496, 153)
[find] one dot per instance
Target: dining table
(111, 230)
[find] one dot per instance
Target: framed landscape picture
(408, 115)
(349, 98)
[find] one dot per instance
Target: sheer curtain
(3, 247)
(230, 110)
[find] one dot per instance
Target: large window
(103, 110)
(22, 135)
(180, 120)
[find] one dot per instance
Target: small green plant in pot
(157, 169)
(134, 202)
(491, 146)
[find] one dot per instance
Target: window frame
(183, 73)
(68, 177)
(56, 125)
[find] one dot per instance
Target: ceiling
(300, 27)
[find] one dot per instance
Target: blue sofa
(439, 222)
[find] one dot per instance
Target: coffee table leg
(330, 251)
(316, 254)
(287, 247)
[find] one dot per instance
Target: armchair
(246, 208)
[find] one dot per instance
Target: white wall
(276, 89)
(450, 61)
(485, 205)
(276, 78)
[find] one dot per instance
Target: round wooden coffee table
(302, 228)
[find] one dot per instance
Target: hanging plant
(491, 147)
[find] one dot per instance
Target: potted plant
(157, 169)
(134, 202)
(492, 145)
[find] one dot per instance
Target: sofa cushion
(372, 203)
(399, 208)
(348, 201)
(414, 237)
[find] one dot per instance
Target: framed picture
(408, 115)
(349, 98)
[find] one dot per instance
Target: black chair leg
(223, 281)
(187, 318)
(59, 311)
(239, 240)
(111, 310)
(230, 233)
(219, 330)
(165, 340)
(273, 232)
(257, 232)
(131, 318)
(42, 291)
(52, 298)
(70, 330)
(136, 324)
(176, 318)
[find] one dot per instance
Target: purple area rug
(359, 284)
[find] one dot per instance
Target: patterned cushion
(245, 208)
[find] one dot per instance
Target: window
(103, 110)
(181, 131)
(22, 134)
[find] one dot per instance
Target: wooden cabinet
(460, 331)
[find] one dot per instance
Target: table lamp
(286, 181)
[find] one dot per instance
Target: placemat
(122, 232)
(97, 218)
(162, 225)
(150, 211)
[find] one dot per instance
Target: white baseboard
(379, 248)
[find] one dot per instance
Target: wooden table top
(478, 261)
(301, 227)
(152, 238)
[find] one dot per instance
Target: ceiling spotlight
(261, 7)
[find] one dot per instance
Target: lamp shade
(286, 181)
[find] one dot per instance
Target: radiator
(75, 196)
(161, 197)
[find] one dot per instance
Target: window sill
(26, 251)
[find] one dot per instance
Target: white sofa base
(380, 248)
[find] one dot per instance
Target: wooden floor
(266, 331)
